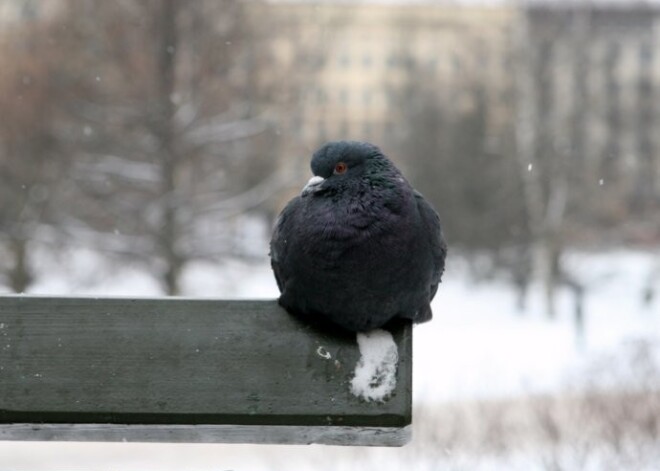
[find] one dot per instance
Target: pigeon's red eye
(340, 168)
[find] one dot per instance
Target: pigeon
(359, 247)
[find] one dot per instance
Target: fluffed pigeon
(359, 247)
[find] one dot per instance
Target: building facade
(596, 72)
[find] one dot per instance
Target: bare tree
(442, 131)
(32, 165)
(172, 101)
(544, 134)
(170, 116)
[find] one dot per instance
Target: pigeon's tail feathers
(434, 289)
(424, 314)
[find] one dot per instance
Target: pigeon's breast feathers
(359, 246)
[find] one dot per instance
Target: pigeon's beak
(313, 185)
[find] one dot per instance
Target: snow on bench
(195, 370)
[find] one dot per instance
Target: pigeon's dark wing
(431, 224)
(279, 243)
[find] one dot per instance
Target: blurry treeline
(141, 128)
(150, 129)
(561, 151)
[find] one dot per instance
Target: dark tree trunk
(166, 50)
(20, 276)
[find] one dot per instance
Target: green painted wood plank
(176, 369)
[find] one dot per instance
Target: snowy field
(477, 348)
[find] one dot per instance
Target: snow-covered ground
(480, 346)
(477, 347)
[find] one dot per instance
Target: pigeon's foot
(375, 372)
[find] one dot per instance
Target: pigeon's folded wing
(431, 224)
(279, 243)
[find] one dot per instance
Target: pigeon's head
(343, 164)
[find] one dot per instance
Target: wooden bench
(186, 370)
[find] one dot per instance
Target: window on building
(366, 61)
(392, 61)
(645, 53)
(344, 96)
(366, 129)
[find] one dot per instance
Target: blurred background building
(366, 54)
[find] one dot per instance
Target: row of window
(356, 130)
(614, 52)
(381, 95)
(395, 61)
(363, 130)
(348, 60)
(343, 96)
(645, 52)
(455, 61)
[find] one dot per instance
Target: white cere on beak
(312, 185)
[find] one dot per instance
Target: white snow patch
(375, 372)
